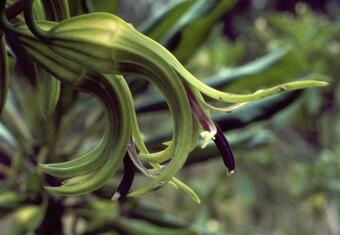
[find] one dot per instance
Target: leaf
(154, 215)
(9, 200)
(245, 189)
(160, 23)
(190, 21)
(16, 126)
(195, 33)
(48, 90)
(290, 65)
(105, 6)
(142, 228)
(104, 209)
(254, 68)
(4, 79)
(5, 135)
(27, 219)
(55, 10)
(192, 14)
(159, 16)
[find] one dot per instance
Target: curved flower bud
(115, 148)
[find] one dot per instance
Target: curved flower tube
(103, 42)
(144, 153)
(119, 134)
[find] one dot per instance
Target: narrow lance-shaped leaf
(152, 22)
(195, 33)
(4, 72)
(56, 10)
(255, 67)
(196, 10)
(212, 131)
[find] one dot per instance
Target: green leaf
(277, 67)
(48, 92)
(195, 33)
(191, 20)
(142, 228)
(16, 125)
(159, 16)
(27, 219)
(256, 67)
(9, 200)
(104, 209)
(193, 13)
(245, 189)
(154, 215)
(160, 23)
(105, 6)
(4, 79)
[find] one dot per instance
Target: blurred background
(287, 151)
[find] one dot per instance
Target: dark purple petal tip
(126, 181)
(225, 149)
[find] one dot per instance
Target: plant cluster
(95, 53)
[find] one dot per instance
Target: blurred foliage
(288, 164)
